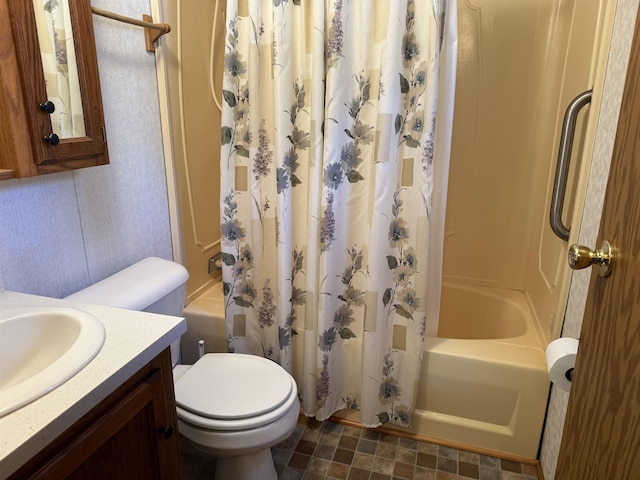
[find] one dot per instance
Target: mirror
(57, 48)
(32, 147)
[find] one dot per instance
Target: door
(601, 438)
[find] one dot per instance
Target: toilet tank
(152, 285)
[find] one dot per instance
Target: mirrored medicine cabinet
(51, 117)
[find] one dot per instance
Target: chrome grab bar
(562, 167)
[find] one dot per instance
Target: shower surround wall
(61, 232)
(520, 65)
(193, 127)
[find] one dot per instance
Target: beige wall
(519, 66)
(194, 123)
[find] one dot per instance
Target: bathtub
(205, 321)
(485, 375)
(484, 378)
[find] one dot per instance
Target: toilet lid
(233, 386)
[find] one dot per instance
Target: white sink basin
(42, 347)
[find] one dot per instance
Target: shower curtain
(331, 154)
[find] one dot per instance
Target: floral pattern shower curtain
(327, 178)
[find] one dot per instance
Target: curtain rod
(152, 31)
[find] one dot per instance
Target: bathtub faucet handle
(582, 257)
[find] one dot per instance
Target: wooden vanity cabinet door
(126, 439)
(124, 443)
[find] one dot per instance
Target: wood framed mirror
(47, 153)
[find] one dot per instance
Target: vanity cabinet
(27, 146)
(132, 434)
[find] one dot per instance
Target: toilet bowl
(235, 407)
(230, 406)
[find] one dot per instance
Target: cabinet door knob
(166, 432)
(52, 139)
(48, 106)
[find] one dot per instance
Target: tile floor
(326, 450)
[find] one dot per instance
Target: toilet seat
(224, 391)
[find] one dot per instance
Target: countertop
(132, 340)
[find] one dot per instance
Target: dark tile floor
(327, 450)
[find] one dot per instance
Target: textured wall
(61, 232)
(605, 136)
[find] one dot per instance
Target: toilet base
(256, 465)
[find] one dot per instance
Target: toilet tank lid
(136, 287)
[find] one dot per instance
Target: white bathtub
(485, 376)
(484, 379)
(205, 321)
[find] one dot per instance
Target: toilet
(234, 407)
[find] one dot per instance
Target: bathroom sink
(41, 348)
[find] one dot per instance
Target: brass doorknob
(582, 257)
